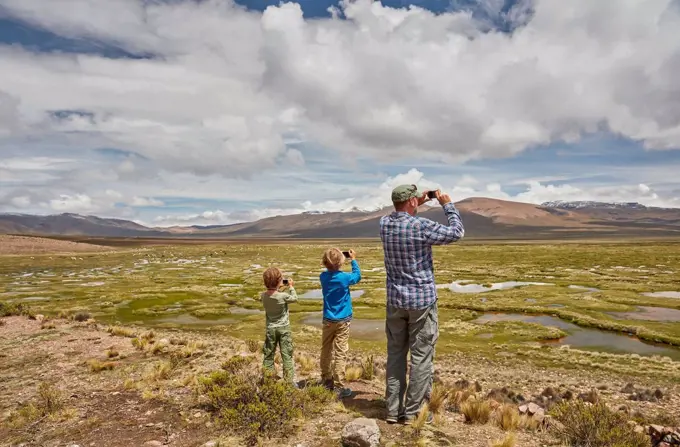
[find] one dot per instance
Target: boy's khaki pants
(334, 347)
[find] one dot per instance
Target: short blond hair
(272, 277)
(333, 259)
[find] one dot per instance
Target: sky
(183, 112)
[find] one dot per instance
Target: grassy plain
(216, 287)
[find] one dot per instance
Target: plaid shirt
(407, 242)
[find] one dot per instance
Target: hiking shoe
(344, 392)
(394, 420)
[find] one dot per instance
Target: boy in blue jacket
(337, 316)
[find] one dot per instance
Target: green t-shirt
(276, 307)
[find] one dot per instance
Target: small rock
(523, 409)
(153, 444)
(533, 408)
(210, 444)
(198, 415)
(150, 424)
(639, 429)
(361, 432)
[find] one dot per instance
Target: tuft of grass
(96, 366)
(595, 425)
(253, 345)
(111, 353)
(509, 441)
(420, 420)
(529, 423)
(353, 373)
(140, 343)
(368, 368)
(159, 371)
(121, 331)
(476, 411)
(149, 336)
(507, 417)
(129, 384)
(306, 364)
(438, 397)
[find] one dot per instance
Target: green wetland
(579, 304)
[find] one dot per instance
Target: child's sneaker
(344, 392)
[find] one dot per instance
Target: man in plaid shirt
(412, 321)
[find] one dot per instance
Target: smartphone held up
(432, 194)
(346, 254)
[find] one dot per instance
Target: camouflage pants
(281, 337)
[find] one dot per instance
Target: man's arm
(438, 234)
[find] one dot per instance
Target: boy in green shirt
(278, 324)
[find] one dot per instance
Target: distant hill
(483, 218)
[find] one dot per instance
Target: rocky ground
(21, 245)
(112, 393)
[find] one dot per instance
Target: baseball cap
(402, 193)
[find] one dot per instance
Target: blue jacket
(337, 302)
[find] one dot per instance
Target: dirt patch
(17, 245)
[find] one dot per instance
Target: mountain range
(483, 218)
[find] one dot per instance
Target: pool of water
(587, 289)
(663, 294)
(360, 328)
(649, 313)
(317, 294)
(587, 338)
(462, 287)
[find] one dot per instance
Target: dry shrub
(112, 352)
(14, 309)
(353, 373)
(149, 336)
(438, 397)
(96, 366)
(595, 425)
(81, 317)
(507, 417)
(48, 402)
(140, 343)
(529, 423)
(509, 441)
(457, 398)
(48, 324)
(476, 411)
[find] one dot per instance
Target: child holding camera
(275, 301)
(337, 315)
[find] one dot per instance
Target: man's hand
(352, 254)
(290, 282)
(424, 199)
(443, 198)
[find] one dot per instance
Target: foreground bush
(595, 425)
(257, 408)
(13, 309)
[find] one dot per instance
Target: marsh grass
(253, 345)
(421, 420)
(306, 364)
